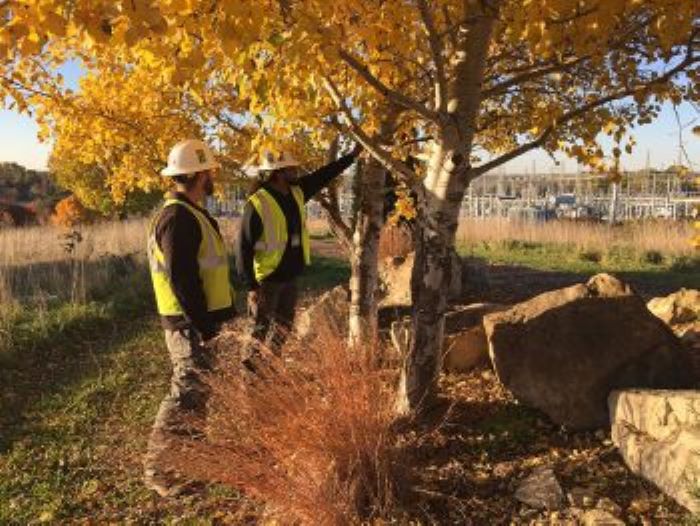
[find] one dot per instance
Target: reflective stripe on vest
(212, 260)
(271, 246)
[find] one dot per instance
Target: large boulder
(465, 345)
(681, 311)
(679, 308)
(327, 315)
(465, 350)
(658, 435)
(464, 317)
(395, 281)
(564, 351)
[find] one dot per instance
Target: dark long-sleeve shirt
(179, 236)
(251, 228)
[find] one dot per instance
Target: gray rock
(541, 490)
(658, 435)
(564, 351)
(329, 313)
(678, 308)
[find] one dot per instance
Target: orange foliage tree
(70, 212)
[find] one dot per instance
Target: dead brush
(310, 437)
(395, 241)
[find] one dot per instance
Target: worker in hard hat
(273, 243)
(190, 274)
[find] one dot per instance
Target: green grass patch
(324, 273)
(321, 235)
(81, 386)
(624, 261)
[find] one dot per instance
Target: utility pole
(612, 216)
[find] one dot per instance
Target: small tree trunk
(365, 242)
(365, 251)
(439, 201)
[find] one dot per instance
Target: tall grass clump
(310, 436)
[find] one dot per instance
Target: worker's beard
(289, 176)
(208, 187)
(291, 179)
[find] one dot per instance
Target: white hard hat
(271, 161)
(189, 157)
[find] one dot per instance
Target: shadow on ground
(469, 455)
(514, 283)
(51, 346)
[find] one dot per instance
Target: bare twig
(681, 143)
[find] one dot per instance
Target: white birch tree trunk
(440, 199)
(365, 251)
(364, 259)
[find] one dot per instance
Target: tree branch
(354, 129)
(391, 95)
(690, 59)
(436, 51)
(451, 28)
(342, 231)
(504, 86)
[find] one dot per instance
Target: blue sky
(18, 141)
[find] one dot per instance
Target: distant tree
(70, 212)
(87, 182)
(26, 185)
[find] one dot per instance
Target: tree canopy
(470, 85)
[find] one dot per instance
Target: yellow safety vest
(271, 246)
(213, 266)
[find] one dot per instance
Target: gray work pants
(273, 315)
(182, 413)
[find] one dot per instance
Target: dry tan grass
(666, 237)
(45, 244)
(40, 263)
(318, 227)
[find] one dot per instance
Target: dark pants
(273, 314)
(182, 412)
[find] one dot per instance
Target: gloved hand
(208, 333)
(357, 150)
